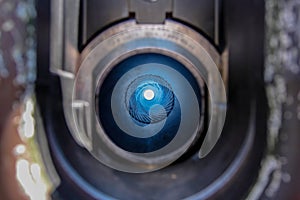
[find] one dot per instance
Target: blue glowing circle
(160, 116)
(152, 110)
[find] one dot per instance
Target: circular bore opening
(142, 103)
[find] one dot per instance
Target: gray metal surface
(204, 15)
(97, 15)
(64, 37)
(150, 11)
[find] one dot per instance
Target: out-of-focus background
(20, 170)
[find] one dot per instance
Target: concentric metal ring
(129, 39)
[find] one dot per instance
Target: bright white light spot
(19, 149)
(27, 126)
(30, 177)
(149, 94)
